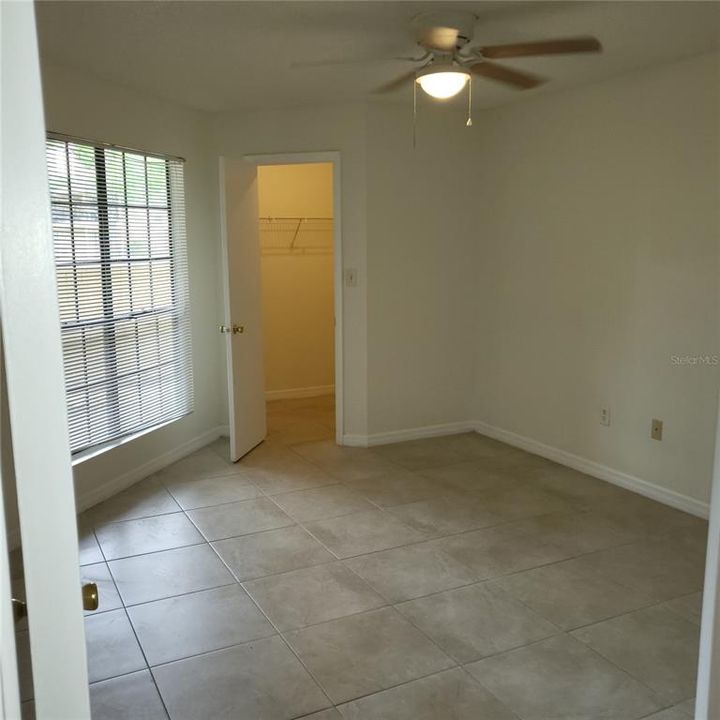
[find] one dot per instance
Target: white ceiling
(220, 56)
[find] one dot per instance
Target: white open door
(36, 393)
(242, 327)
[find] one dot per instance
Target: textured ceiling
(220, 56)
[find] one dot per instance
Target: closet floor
(452, 577)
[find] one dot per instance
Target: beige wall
(84, 106)
(297, 289)
(317, 129)
(597, 228)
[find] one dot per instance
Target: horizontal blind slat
(118, 221)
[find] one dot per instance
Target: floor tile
(579, 489)
(449, 695)
(271, 552)
(322, 502)
(640, 514)
(366, 653)
(569, 597)
(654, 645)
(363, 533)
(108, 596)
(688, 707)
(88, 547)
(471, 476)
(111, 646)
(687, 606)
(408, 572)
(330, 714)
(562, 679)
(312, 595)
(240, 518)
(578, 532)
(172, 572)
(201, 464)
(276, 470)
(521, 501)
(446, 515)
(673, 713)
(651, 567)
(476, 621)
(130, 696)
(496, 551)
(398, 487)
(345, 463)
(146, 535)
(144, 499)
(424, 453)
(261, 680)
(193, 493)
(300, 432)
(196, 623)
(221, 447)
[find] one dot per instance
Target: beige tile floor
(444, 578)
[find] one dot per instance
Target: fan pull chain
(468, 122)
(414, 126)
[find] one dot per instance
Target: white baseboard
(426, 431)
(303, 392)
(418, 433)
(589, 467)
(354, 440)
(109, 488)
(598, 470)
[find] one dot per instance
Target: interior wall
(297, 289)
(320, 129)
(421, 251)
(596, 229)
(86, 107)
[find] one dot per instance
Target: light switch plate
(351, 277)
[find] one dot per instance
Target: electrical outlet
(604, 415)
(656, 429)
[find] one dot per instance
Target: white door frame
(334, 157)
(36, 388)
(707, 701)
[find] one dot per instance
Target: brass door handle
(234, 329)
(90, 596)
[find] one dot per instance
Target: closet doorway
(296, 235)
(297, 306)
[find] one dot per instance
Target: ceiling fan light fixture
(443, 82)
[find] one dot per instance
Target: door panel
(243, 306)
(36, 389)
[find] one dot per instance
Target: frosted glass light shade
(443, 84)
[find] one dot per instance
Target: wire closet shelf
(296, 235)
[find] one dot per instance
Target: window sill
(93, 452)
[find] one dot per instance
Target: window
(118, 220)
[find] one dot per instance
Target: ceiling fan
(448, 61)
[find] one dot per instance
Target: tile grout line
(300, 524)
(134, 632)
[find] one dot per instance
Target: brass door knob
(90, 596)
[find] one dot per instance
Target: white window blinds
(118, 220)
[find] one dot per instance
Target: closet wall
(296, 210)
